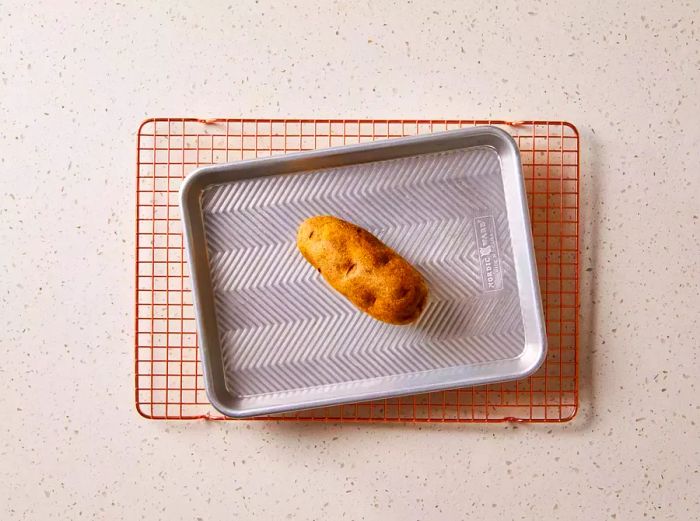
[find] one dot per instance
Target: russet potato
(368, 273)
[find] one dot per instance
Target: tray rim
(193, 231)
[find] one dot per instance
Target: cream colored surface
(76, 80)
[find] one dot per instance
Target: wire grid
(169, 382)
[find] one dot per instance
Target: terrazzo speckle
(77, 78)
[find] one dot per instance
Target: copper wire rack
(169, 383)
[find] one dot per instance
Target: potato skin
(368, 273)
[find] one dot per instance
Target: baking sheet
(275, 337)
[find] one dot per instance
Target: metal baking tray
(275, 337)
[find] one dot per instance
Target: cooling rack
(168, 379)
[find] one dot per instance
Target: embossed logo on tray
(489, 257)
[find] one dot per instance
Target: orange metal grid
(168, 374)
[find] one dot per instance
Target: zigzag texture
(283, 328)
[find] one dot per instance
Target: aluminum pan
(275, 338)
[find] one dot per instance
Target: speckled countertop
(75, 82)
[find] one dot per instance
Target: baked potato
(364, 270)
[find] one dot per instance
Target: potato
(368, 273)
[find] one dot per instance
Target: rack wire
(168, 377)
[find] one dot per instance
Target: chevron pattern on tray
(282, 327)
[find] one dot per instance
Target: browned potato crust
(368, 273)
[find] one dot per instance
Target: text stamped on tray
(489, 258)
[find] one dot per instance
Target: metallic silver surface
(275, 337)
